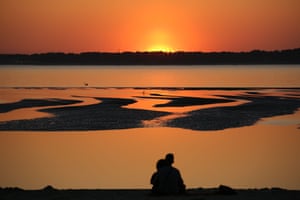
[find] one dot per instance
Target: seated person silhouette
(167, 179)
(154, 178)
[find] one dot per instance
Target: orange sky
(32, 26)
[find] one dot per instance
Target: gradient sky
(34, 26)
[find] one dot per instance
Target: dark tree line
(291, 56)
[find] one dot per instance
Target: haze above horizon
(35, 26)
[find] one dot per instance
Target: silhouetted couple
(167, 179)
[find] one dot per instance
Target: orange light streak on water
(151, 76)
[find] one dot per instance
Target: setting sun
(163, 48)
(160, 40)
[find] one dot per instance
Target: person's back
(154, 178)
(170, 181)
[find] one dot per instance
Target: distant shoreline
(255, 57)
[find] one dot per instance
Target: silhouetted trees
(291, 56)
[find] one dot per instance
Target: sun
(160, 41)
(161, 48)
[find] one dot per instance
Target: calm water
(263, 155)
(152, 76)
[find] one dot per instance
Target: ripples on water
(152, 76)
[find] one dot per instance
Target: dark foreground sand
(50, 193)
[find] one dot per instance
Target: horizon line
(136, 52)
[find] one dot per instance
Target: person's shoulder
(175, 169)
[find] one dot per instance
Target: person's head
(161, 163)
(170, 158)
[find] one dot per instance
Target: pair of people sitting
(167, 179)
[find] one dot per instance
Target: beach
(50, 193)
